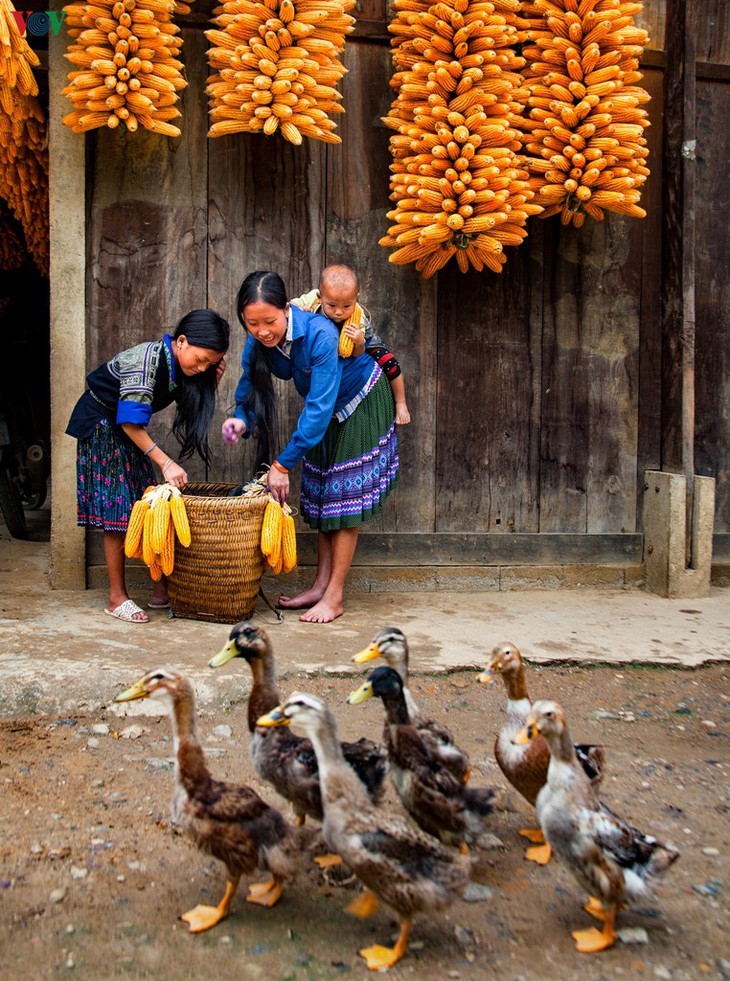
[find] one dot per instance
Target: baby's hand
(357, 337)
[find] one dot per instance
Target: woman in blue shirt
(115, 451)
(345, 435)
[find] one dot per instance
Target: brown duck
(615, 862)
(525, 767)
(390, 643)
(282, 758)
(440, 804)
(229, 821)
(397, 863)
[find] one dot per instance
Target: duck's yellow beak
(362, 694)
(273, 718)
(368, 653)
(525, 735)
(137, 690)
(487, 675)
(225, 654)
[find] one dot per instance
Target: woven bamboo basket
(217, 577)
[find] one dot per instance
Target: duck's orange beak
(273, 718)
(525, 735)
(368, 653)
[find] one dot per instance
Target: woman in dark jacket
(115, 453)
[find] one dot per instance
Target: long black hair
(196, 399)
(262, 287)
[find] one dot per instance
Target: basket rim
(220, 498)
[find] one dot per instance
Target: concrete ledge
(466, 579)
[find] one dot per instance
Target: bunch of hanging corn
(12, 248)
(17, 59)
(458, 180)
(23, 144)
(24, 171)
(277, 66)
(586, 125)
(278, 538)
(157, 518)
(126, 53)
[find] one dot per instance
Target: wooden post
(67, 190)
(678, 251)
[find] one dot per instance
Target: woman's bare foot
(159, 599)
(308, 598)
(323, 612)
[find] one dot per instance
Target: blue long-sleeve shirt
(327, 382)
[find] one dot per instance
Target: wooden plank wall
(712, 232)
(535, 394)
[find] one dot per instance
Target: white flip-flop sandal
(126, 611)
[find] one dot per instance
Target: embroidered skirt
(348, 476)
(111, 474)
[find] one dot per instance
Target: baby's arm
(402, 415)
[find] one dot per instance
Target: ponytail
(262, 287)
(196, 399)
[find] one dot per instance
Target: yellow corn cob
(135, 526)
(179, 516)
(161, 512)
(167, 555)
(346, 344)
(156, 569)
(271, 528)
(148, 552)
(288, 542)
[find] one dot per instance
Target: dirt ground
(93, 876)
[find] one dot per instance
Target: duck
(526, 767)
(390, 643)
(226, 820)
(282, 758)
(398, 864)
(614, 861)
(438, 802)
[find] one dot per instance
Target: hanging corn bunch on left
(24, 171)
(12, 248)
(458, 179)
(23, 144)
(128, 70)
(587, 145)
(17, 59)
(277, 65)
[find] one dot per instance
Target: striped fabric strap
(348, 409)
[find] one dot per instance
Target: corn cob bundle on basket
(276, 66)
(278, 538)
(23, 143)
(158, 518)
(126, 54)
(458, 179)
(586, 116)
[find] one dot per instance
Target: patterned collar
(167, 348)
